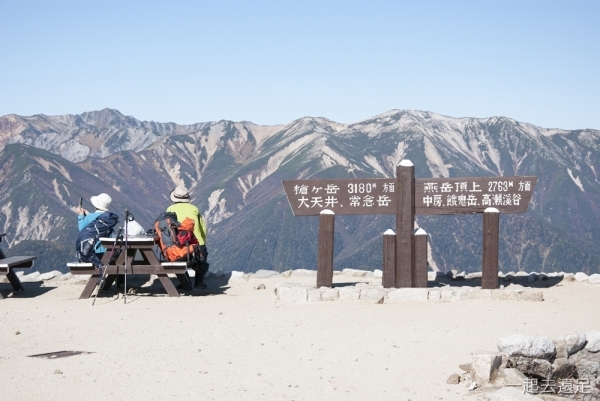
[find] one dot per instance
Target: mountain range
(234, 172)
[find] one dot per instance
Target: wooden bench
(177, 268)
(6, 269)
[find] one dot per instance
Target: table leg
(168, 284)
(108, 281)
(14, 280)
(89, 287)
(185, 281)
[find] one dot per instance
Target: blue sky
(271, 62)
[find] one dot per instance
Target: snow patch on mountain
(56, 187)
(335, 157)
(395, 158)
(260, 132)
(46, 164)
(434, 160)
(245, 184)
(372, 161)
(216, 208)
(74, 151)
(31, 225)
(576, 180)
(174, 172)
(212, 142)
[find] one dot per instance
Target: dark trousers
(201, 267)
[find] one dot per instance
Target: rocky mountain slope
(234, 171)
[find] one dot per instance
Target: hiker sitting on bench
(84, 218)
(183, 208)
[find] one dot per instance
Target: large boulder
(531, 347)
(485, 367)
(531, 366)
(593, 341)
(568, 345)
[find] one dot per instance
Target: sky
(271, 62)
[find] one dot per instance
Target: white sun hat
(180, 194)
(101, 202)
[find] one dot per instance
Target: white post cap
(491, 210)
(389, 231)
(326, 211)
(420, 231)
(406, 163)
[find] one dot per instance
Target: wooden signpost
(406, 196)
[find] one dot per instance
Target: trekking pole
(100, 283)
(126, 257)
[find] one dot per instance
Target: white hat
(180, 194)
(101, 202)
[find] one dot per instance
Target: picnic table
(8, 264)
(148, 263)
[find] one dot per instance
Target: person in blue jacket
(101, 204)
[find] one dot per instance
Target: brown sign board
(342, 196)
(473, 194)
(432, 195)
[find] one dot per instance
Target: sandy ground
(234, 342)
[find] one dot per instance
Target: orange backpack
(176, 240)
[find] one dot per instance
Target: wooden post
(491, 233)
(405, 217)
(389, 259)
(325, 249)
(420, 266)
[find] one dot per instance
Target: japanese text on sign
(509, 193)
(352, 196)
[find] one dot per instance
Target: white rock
(50, 275)
(349, 293)
(66, 276)
(431, 276)
(531, 295)
(379, 274)
(568, 345)
(472, 276)
(329, 294)
(480, 294)
(30, 278)
(372, 294)
(266, 273)
(594, 278)
(505, 295)
(581, 276)
(593, 341)
(235, 275)
(515, 287)
(294, 295)
(304, 272)
(313, 295)
(511, 377)
(485, 364)
(533, 347)
(354, 272)
(408, 295)
(523, 274)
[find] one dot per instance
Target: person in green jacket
(183, 208)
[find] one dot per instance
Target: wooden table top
(138, 240)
